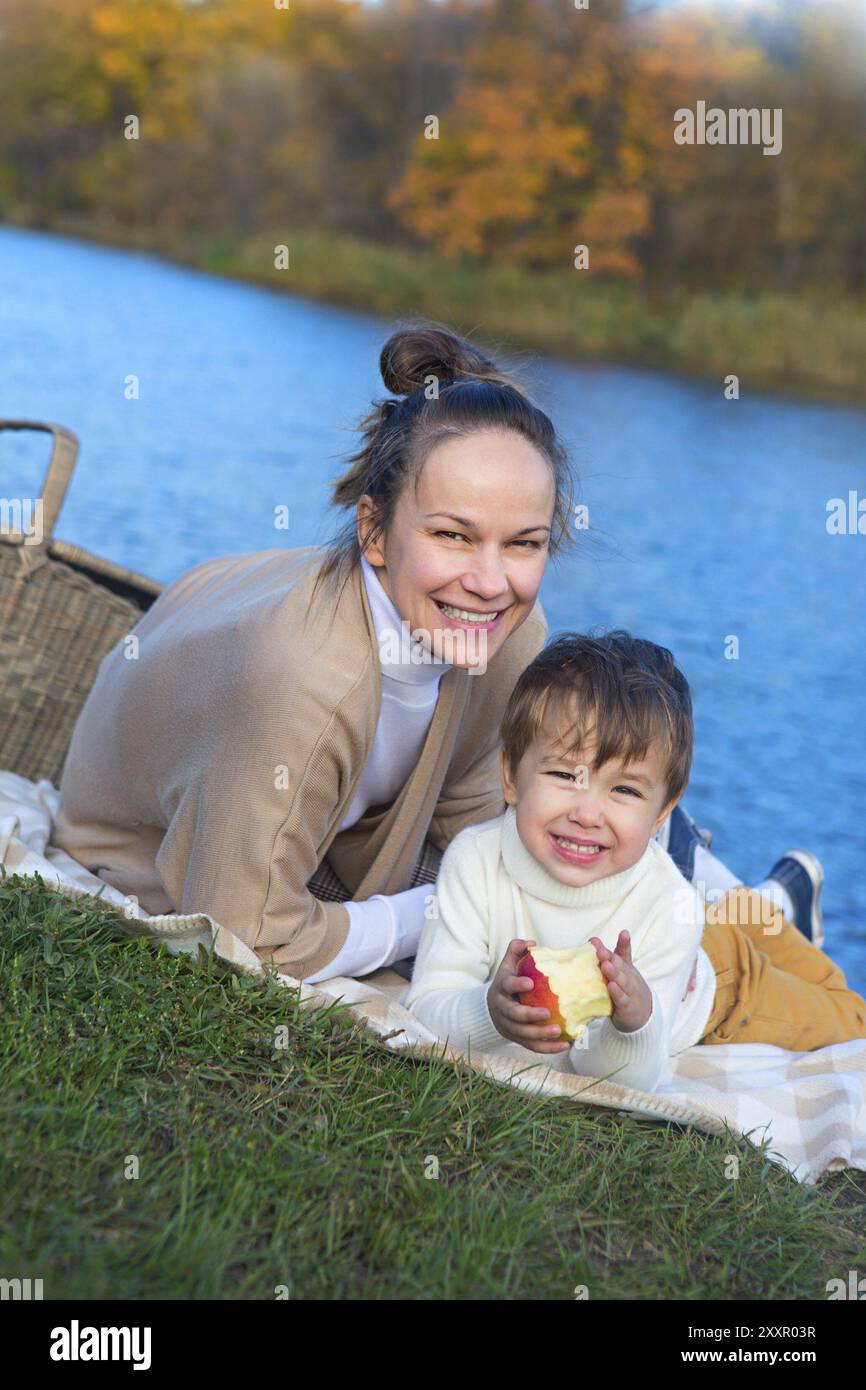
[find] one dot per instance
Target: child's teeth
(579, 849)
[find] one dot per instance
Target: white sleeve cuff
(382, 929)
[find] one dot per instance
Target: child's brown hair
(626, 690)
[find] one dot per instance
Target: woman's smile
(464, 617)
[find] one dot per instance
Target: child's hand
(629, 992)
(517, 1022)
(692, 978)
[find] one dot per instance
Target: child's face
(616, 809)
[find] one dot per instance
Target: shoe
(801, 874)
(683, 839)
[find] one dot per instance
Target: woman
(288, 740)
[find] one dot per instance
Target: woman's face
(474, 538)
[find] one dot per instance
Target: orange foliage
(555, 128)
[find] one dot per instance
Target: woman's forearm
(382, 929)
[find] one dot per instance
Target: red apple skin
(541, 996)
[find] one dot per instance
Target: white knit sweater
(491, 889)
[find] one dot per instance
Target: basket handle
(64, 452)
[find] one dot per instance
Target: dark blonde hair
(627, 691)
(398, 434)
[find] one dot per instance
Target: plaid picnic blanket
(807, 1110)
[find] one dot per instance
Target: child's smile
(575, 850)
(584, 823)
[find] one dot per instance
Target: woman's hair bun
(412, 354)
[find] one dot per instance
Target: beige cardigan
(210, 772)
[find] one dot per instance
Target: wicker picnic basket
(61, 611)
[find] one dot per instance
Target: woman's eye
(458, 535)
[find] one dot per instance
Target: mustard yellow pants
(772, 984)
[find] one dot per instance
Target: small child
(596, 751)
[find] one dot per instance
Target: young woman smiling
(262, 755)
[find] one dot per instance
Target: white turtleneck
(386, 928)
(491, 889)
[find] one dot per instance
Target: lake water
(711, 514)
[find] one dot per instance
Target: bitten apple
(569, 983)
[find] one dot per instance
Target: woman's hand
(629, 992)
(518, 1022)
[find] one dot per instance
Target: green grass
(304, 1166)
(811, 344)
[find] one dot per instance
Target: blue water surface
(708, 518)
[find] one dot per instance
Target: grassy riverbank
(305, 1166)
(808, 345)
